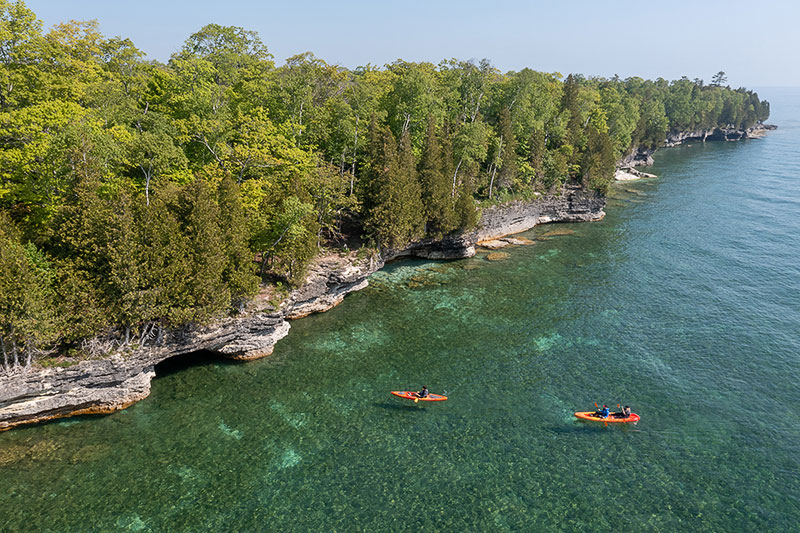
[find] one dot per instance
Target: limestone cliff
(644, 156)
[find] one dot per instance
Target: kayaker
(625, 413)
(423, 393)
(602, 413)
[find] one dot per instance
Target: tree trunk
(14, 352)
(264, 259)
(453, 194)
(355, 149)
(148, 174)
(477, 108)
(28, 355)
(494, 171)
(5, 354)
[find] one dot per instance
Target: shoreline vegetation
(150, 209)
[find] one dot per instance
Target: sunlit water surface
(684, 302)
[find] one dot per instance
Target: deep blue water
(683, 302)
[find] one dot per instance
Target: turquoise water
(684, 302)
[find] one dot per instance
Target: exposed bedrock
(643, 157)
(329, 280)
(575, 205)
(104, 386)
(107, 385)
(717, 134)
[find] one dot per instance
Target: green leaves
(142, 193)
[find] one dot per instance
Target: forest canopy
(137, 196)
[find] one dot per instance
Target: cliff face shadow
(188, 360)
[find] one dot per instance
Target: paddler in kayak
(602, 413)
(423, 393)
(626, 412)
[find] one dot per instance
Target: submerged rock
(497, 256)
(494, 244)
(518, 241)
(558, 233)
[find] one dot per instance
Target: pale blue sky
(755, 42)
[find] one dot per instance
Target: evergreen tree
(598, 161)
(466, 209)
(198, 215)
(28, 321)
(239, 272)
(167, 258)
(375, 161)
(571, 106)
(435, 183)
(79, 242)
(130, 293)
(397, 217)
(536, 155)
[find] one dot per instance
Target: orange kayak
(410, 395)
(611, 419)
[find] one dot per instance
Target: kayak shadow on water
(588, 425)
(398, 406)
(582, 426)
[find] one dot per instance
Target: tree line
(138, 196)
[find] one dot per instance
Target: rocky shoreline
(107, 385)
(643, 157)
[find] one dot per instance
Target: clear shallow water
(683, 302)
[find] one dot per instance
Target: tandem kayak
(611, 419)
(410, 395)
